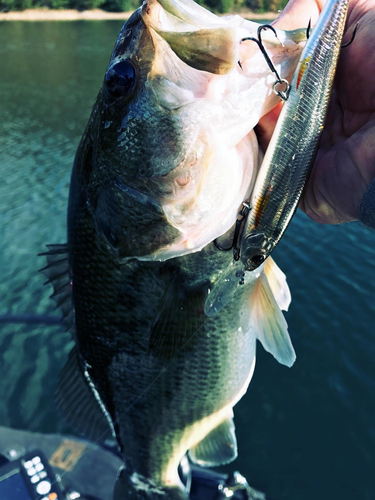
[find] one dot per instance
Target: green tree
(120, 5)
(7, 5)
(23, 4)
(85, 4)
(58, 4)
(225, 6)
(51, 4)
(221, 6)
(265, 5)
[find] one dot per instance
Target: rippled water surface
(304, 433)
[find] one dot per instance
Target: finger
(298, 13)
(266, 125)
(340, 178)
(355, 79)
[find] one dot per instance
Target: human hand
(345, 163)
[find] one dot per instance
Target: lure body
(291, 152)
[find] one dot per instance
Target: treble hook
(344, 44)
(236, 250)
(283, 94)
(308, 29)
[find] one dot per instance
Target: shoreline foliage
(219, 6)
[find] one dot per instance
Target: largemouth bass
(290, 153)
(168, 155)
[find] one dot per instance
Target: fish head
(152, 99)
(173, 128)
(139, 125)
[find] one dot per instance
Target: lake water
(304, 433)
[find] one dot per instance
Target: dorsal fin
(80, 404)
(219, 447)
(57, 272)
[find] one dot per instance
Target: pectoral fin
(269, 322)
(219, 447)
(277, 281)
(181, 316)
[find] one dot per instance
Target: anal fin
(80, 404)
(219, 447)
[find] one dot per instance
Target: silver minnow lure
(294, 143)
(289, 156)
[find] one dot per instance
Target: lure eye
(257, 259)
(120, 78)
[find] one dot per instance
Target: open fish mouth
(199, 38)
(202, 39)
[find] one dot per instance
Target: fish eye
(120, 78)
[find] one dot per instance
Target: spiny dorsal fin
(181, 316)
(270, 325)
(57, 272)
(219, 447)
(79, 403)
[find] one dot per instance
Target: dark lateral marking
(352, 38)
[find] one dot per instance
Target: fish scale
(133, 139)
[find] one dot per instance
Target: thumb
(340, 178)
(298, 13)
